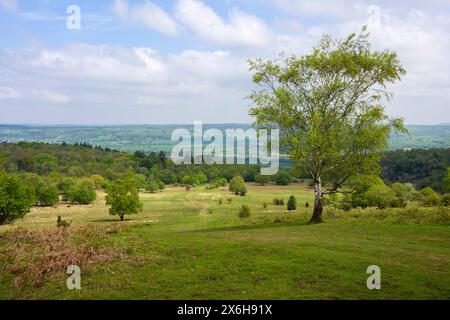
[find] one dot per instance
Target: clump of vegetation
(265, 205)
(83, 192)
(283, 178)
(16, 198)
(306, 204)
(123, 198)
(237, 186)
(62, 223)
(229, 200)
(430, 197)
(292, 204)
(35, 255)
(278, 202)
(261, 179)
(244, 212)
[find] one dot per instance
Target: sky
(168, 62)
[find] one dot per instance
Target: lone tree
(328, 107)
(16, 198)
(237, 186)
(123, 197)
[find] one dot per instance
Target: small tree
(327, 106)
(123, 198)
(152, 187)
(292, 204)
(99, 181)
(430, 197)
(237, 186)
(47, 195)
(83, 192)
(244, 212)
(16, 198)
(283, 179)
(261, 179)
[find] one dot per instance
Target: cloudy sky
(184, 60)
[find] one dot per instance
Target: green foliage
(327, 105)
(47, 195)
(66, 186)
(237, 186)
(446, 182)
(99, 181)
(278, 202)
(123, 198)
(292, 204)
(152, 186)
(140, 181)
(446, 200)
(221, 182)
(16, 198)
(283, 179)
(83, 192)
(423, 168)
(430, 197)
(244, 212)
(261, 179)
(62, 223)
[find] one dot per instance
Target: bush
(283, 179)
(83, 192)
(62, 223)
(221, 182)
(16, 198)
(47, 195)
(306, 204)
(244, 212)
(265, 205)
(262, 180)
(430, 198)
(292, 204)
(446, 200)
(237, 186)
(278, 202)
(152, 187)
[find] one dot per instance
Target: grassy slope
(179, 250)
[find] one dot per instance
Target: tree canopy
(328, 106)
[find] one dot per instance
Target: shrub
(283, 179)
(278, 202)
(62, 223)
(221, 182)
(306, 204)
(16, 198)
(237, 186)
(152, 186)
(83, 192)
(244, 212)
(265, 205)
(430, 197)
(292, 204)
(446, 200)
(161, 185)
(261, 179)
(47, 195)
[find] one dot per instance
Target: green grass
(185, 245)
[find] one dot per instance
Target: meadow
(192, 245)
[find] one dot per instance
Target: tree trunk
(121, 217)
(318, 203)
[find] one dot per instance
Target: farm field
(192, 245)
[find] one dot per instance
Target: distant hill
(157, 137)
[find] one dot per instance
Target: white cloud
(50, 96)
(242, 28)
(9, 5)
(8, 93)
(148, 14)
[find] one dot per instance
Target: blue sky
(184, 60)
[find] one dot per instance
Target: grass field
(186, 245)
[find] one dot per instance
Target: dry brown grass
(31, 256)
